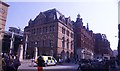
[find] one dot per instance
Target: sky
(101, 15)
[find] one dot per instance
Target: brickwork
(84, 40)
(46, 31)
(3, 16)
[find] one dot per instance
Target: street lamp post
(118, 41)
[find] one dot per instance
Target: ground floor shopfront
(83, 53)
(58, 53)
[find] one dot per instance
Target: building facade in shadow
(11, 44)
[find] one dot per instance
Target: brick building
(3, 16)
(50, 33)
(102, 46)
(84, 40)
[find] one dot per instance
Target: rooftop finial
(78, 16)
(30, 20)
(87, 26)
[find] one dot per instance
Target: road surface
(28, 66)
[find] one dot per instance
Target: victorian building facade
(102, 46)
(3, 17)
(84, 40)
(50, 33)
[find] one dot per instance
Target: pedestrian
(40, 63)
(7, 63)
(10, 66)
(60, 61)
(113, 64)
(68, 60)
(3, 65)
(79, 67)
(106, 65)
(76, 61)
(16, 63)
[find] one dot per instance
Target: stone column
(26, 41)
(36, 52)
(20, 52)
(11, 43)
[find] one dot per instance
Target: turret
(87, 26)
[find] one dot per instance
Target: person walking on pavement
(7, 62)
(79, 67)
(40, 63)
(16, 63)
(106, 65)
(113, 64)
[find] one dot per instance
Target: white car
(48, 60)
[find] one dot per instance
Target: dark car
(86, 65)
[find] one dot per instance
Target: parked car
(48, 60)
(86, 65)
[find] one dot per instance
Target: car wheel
(45, 65)
(54, 64)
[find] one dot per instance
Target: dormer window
(30, 22)
(62, 18)
(69, 20)
(51, 15)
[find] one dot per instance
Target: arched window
(51, 43)
(63, 42)
(67, 43)
(71, 45)
(67, 54)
